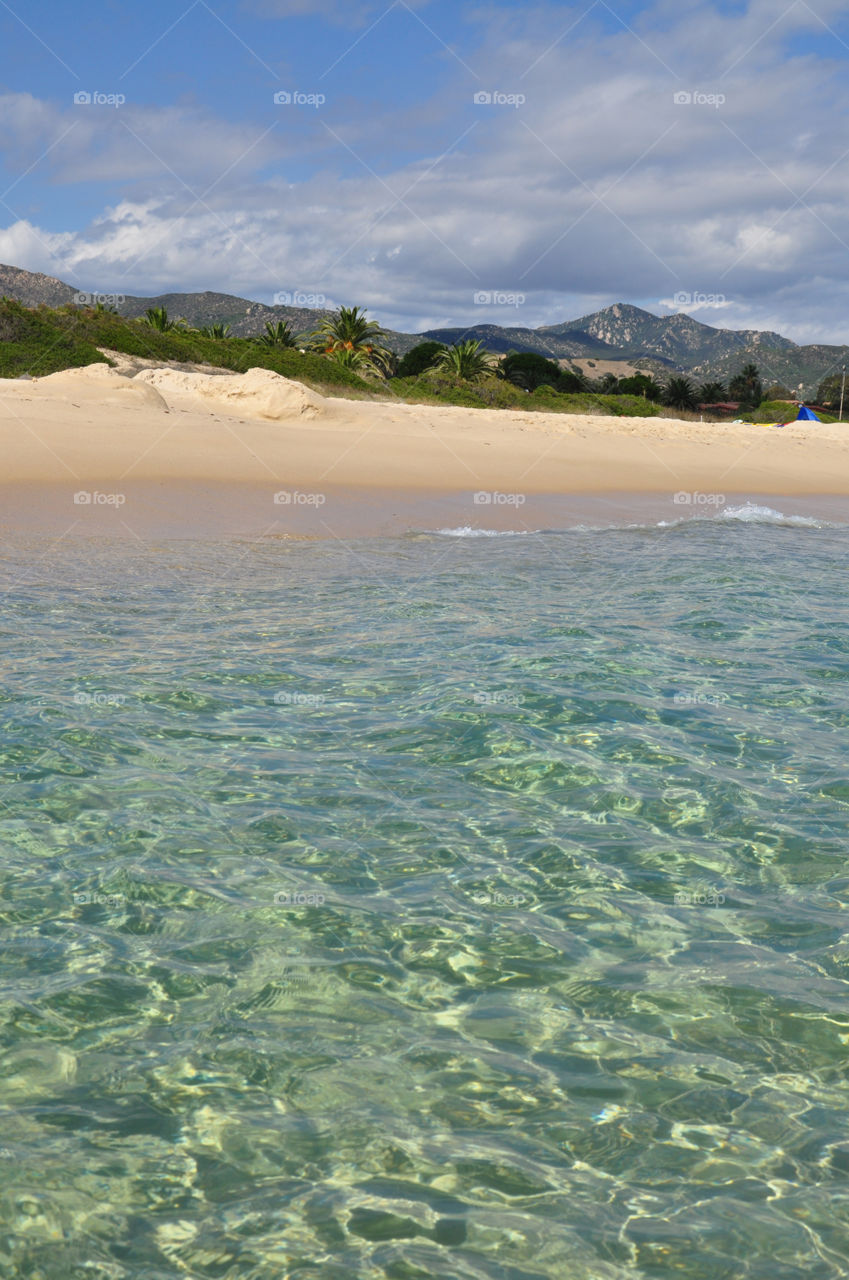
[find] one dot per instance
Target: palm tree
(466, 360)
(158, 319)
(348, 330)
(712, 393)
(277, 335)
(215, 331)
(746, 386)
(680, 394)
(352, 358)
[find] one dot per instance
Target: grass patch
(495, 393)
(588, 403)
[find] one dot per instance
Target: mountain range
(665, 345)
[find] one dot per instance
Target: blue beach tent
(805, 415)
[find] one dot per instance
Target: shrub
(529, 370)
(570, 382)
(421, 357)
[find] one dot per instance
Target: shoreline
(176, 509)
(169, 453)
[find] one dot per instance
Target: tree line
(351, 339)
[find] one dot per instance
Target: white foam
(468, 532)
(751, 513)
(745, 513)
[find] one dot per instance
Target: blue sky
(680, 156)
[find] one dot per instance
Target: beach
(159, 449)
(423, 833)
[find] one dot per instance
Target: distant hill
(245, 318)
(678, 339)
(33, 289)
(662, 344)
(665, 345)
(571, 343)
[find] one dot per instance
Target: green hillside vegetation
(492, 392)
(43, 340)
(46, 340)
(345, 356)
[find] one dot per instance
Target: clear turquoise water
(439, 906)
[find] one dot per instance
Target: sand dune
(259, 393)
(96, 384)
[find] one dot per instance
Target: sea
(458, 903)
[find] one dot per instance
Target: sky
(438, 163)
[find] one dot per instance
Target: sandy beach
(149, 448)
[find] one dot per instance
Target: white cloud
(89, 143)
(598, 188)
